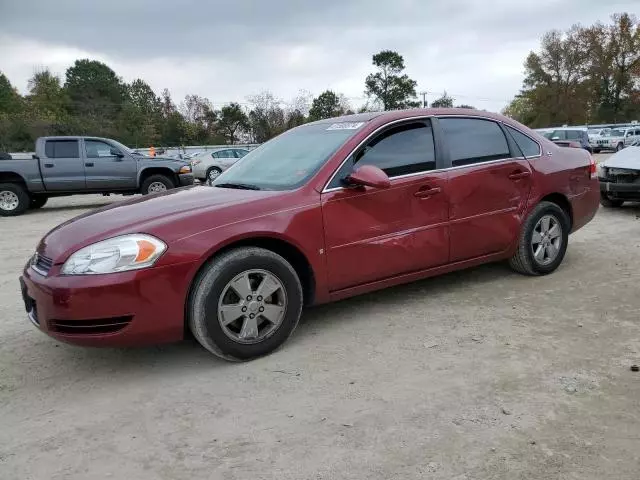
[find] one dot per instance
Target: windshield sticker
(346, 126)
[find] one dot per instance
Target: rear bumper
(141, 307)
(185, 179)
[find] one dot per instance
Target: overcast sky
(227, 50)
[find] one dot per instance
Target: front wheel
(543, 240)
(608, 202)
(245, 304)
(156, 184)
(619, 147)
(14, 200)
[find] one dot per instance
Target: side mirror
(117, 153)
(369, 176)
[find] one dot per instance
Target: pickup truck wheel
(14, 199)
(38, 201)
(245, 304)
(543, 240)
(156, 183)
(608, 202)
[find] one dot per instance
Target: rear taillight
(593, 169)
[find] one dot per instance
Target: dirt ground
(480, 374)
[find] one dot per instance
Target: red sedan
(325, 211)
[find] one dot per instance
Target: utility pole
(424, 99)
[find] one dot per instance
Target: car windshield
(614, 133)
(289, 160)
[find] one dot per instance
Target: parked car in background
(79, 165)
(5, 156)
(619, 176)
(209, 165)
(569, 134)
(325, 211)
(596, 134)
(618, 138)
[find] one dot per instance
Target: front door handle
(88, 164)
(48, 165)
(518, 174)
(426, 192)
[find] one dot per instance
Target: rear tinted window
(528, 147)
(473, 140)
(61, 149)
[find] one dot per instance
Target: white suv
(616, 139)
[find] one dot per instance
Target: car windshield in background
(614, 133)
(289, 160)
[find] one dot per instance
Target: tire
(619, 147)
(205, 321)
(14, 200)
(38, 201)
(215, 171)
(609, 202)
(524, 260)
(596, 150)
(153, 182)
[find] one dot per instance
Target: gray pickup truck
(80, 165)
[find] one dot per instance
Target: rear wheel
(608, 202)
(156, 184)
(245, 304)
(543, 240)
(212, 174)
(38, 201)
(14, 199)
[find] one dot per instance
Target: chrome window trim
(408, 175)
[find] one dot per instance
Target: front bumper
(134, 308)
(185, 179)
(629, 191)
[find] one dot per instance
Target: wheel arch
(12, 177)
(563, 202)
(280, 246)
(148, 171)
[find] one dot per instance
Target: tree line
(586, 75)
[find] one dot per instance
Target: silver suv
(617, 138)
(209, 165)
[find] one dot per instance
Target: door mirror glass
(369, 176)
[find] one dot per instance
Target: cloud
(227, 50)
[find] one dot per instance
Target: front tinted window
(97, 149)
(528, 147)
(401, 150)
(290, 159)
(61, 149)
(474, 140)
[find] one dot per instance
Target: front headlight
(185, 169)
(118, 254)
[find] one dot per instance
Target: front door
(62, 168)
(106, 170)
(488, 187)
(372, 234)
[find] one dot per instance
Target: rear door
(372, 234)
(62, 167)
(106, 170)
(489, 183)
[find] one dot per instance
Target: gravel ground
(480, 374)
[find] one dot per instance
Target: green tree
(231, 122)
(445, 101)
(388, 85)
(266, 118)
(10, 100)
(464, 105)
(325, 105)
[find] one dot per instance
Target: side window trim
(507, 127)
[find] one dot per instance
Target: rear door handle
(88, 164)
(48, 165)
(519, 174)
(426, 192)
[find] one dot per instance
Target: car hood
(169, 216)
(626, 158)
